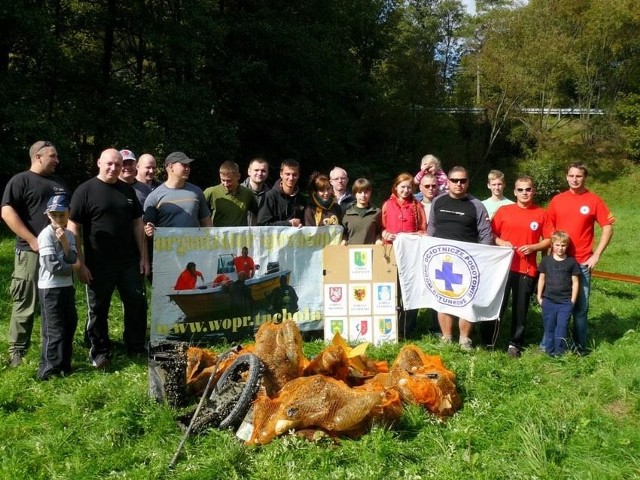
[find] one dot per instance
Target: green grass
(532, 418)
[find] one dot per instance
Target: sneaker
(446, 339)
(466, 345)
(513, 351)
(16, 359)
(101, 361)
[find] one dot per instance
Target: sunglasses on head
(461, 181)
(45, 144)
(528, 189)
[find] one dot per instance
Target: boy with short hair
(58, 259)
(558, 286)
(362, 222)
(495, 183)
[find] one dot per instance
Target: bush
(547, 172)
(628, 109)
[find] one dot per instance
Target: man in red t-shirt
(576, 211)
(188, 278)
(522, 226)
(244, 263)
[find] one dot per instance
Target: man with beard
(23, 204)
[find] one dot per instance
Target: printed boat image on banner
(229, 294)
(223, 283)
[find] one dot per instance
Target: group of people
(103, 232)
(562, 280)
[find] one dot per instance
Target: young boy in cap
(58, 259)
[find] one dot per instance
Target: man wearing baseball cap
(176, 203)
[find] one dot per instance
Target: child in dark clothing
(557, 293)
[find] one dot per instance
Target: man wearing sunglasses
(23, 204)
(523, 227)
(429, 189)
(459, 216)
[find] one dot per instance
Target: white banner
(459, 278)
(287, 283)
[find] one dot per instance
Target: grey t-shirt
(176, 207)
(55, 269)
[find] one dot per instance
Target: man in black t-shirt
(459, 216)
(107, 215)
(23, 204)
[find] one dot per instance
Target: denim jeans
(581, 310)
(556, 318)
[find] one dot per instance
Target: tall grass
(531, 418)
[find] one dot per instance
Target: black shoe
(101, 361)
(513, 351)
(16, 359)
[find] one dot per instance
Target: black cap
(177, 157)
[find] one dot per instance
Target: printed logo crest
(534, 226)
(384, 293)
(584, 210)
(359, 294)
(337, 326)
(451, 274)
(363, 328)
(335, 294)
(385, 325)
(360, 258)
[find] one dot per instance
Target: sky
(470, 5)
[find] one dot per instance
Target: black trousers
(130, 285)
(59, 322)
(520, 287)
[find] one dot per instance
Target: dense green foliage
(535, 417)
(551, 54)
(326, 82)
(362, 83)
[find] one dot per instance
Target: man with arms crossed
(459, 216)
(523, 227)
(23, 204)
(106, 214)
(576, 211)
